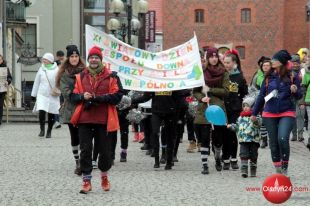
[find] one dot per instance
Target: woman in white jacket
(42, 89)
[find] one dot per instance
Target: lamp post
(133, 24)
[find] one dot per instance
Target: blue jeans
(279, 130)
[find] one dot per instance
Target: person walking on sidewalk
(213, 93)
(278, 89)
(96, 92)
(248, 135)
(8, 82)
(65, 80)
(46, 100)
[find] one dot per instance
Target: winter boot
(123, 156)
(253, 167)
(86, 187)
(136, 137)
(234, 164)
(294, 138)
(264, 142)
(163, 156)
(308, 144)
(105, 184)
(205, 169)
(218, 165)
(77, 170)
(42, 129)
(156, 165)
(169, 156)
(226, 165)
(49, 129)
(244, 170)
(300, 136)
(191, 147)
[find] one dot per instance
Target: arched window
(246, 15)
(199, 16)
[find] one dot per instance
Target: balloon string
(212, 126)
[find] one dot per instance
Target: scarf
(213, 76)
(95, 72)
(71, 71)
(246, 114)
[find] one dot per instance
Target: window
(30, 38)
(245, 15)
(199, 15)
(95, 21)
(94, 6)
(241, 51)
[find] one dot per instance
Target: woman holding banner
(213, 93)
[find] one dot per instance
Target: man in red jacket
(96, 93)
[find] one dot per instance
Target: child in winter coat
(248, 135)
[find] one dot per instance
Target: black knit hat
(282, 56)
(72, 49)
(60, 53)
(262, 60)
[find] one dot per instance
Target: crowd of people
(92, 102)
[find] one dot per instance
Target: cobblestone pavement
(38, 171)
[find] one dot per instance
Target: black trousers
(190, 127)
(169, 121)
(50, 118)
(179, 130)
(249, 150)
(230, 142)
(230, 145)
(98, 132)
(203, 132)
(74, 133)
(147, 125)
(2, 95)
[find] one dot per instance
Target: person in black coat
(8, 82)
(233, 103)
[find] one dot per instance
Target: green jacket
(216, 96)
(67, 83)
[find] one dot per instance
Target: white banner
(173, 69)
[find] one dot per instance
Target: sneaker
(123, 157)
(86, 187)
(191, 147)
(234, 165)
(205, 169)
(57, 125)
(105, 184)
(94, 163)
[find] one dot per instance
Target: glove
(124, 103)
(88, 104)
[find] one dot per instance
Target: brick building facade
(254, 27)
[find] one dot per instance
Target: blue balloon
(215, 115)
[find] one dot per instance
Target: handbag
(54, 90)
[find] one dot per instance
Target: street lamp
(133, 25)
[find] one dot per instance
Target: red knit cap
(95, 50)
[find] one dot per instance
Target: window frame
(246, 16)
(199, 16)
